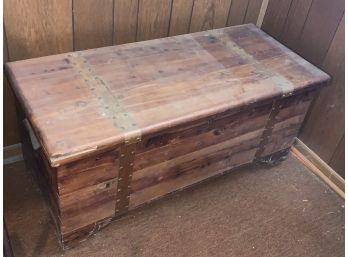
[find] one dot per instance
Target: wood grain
(295, 23)
(180, 17)
(327, 113)
(153, 19)
(237, 12)
(275, 17)
(125, 21)
(93, 23)
(38, 28)
(209, 14)
(187, 68)
(319, 29)
(253, 11)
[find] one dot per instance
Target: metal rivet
(121, 167)
(118, 190)
(131, 164)
(118, 200)
(122, 155)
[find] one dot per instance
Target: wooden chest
(107, 130)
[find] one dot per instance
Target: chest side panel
(184, 155)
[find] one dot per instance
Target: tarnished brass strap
(122, 120)
(286, 86)
(110, 103)
(268, 129)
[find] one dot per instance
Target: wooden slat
(153, 19)
(184, 139)
(38, 27)
(186, 170)
(253, 11)
(262, 13)
(209, 14)
(275, 17)
(295, 22)
(319, 30)
(180, 17)
(337, 161)
(93, 23)
(324, 127)
(86, 206)
(317, 171)
(325, 169)
(125, 21)
(237, 12)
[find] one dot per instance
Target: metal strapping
(283, 83)
(268, 129)
(121, 119)
(286, 86)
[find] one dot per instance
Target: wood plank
(93, 23)
(253, 11)
(237, 12)
(275, 17)
(327, 115)
(295, 22)
(209, 14)
(125, 21)
(153, 19)
(38, 27)
(180, 17)
(337, 161)
(317, 171)
(192, 168)
(262, 13)
(324, 168)
(185, 139)
(87, 206)
(319, 29)
(89, 177)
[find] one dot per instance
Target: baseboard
(12, 153)
(312, 161)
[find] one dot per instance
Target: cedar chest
(107, 130)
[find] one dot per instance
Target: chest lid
(95, 99)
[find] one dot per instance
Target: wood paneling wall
(313, 28)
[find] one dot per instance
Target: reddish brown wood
(121, 126)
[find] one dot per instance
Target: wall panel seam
(170, 17)
(73, 24)
(329, 45)
(113, 23)
(246, 11)
(336, 147)
(137, 21)
(229, 11)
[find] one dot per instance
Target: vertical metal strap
(268, 129)
(126, 162)
(122, 121)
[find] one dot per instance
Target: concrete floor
(279, 211)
